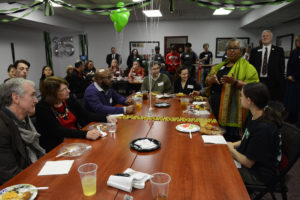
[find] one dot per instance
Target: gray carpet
(293, 184)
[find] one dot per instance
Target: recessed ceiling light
(53, 4)
(152, 13)
(137, 0)
(222, 11)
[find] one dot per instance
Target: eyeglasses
(64, 89)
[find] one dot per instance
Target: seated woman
(115, 69)
(259, 150)
(136, 72)
(184, 84)
(59, 116)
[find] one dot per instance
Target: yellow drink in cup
(184, 102)
(88, 176)
(138, 106)
(89, 185)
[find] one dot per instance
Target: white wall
(288, 28)
(29, 45)
(102, 36)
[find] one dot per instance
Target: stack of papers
(56, 167)
(214, 139)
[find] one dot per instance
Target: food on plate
(180, 94)
(210, 129)
(13, 195)
(199, 98)
(139, 95)
(154, 93)
(201, 107)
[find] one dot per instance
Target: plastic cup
(112, 127)
(88, 176)
(184, 102)
(160, 185)
(139, 103)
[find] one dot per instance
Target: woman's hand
(230, 146)
(93, 134)
(228, 79)
(213, 79)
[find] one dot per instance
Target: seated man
(19, 141)
(160, 82)
(100, 98)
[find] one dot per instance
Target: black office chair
(290, 136)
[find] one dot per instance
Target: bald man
(99, 97)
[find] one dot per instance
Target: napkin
(237, 164)
(145, 144)
(56, 167)
(120, 182)
(139, 178)
(215, 139)
(199, 102)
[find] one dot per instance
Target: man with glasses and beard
(99, 97)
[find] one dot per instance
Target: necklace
(64, 114)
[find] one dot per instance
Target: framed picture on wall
(145, 48)
(221, 44)
(286, 42)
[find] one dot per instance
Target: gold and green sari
(230, 110)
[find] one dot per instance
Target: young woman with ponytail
(259, 151)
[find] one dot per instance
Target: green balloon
(118, 27)
(113, 16)
(125, 11)
(120, 4)
(123, 19)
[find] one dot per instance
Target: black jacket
(275, 80)
(52, 132)
(78, 83)
(13, 154)
(109, 59)
(189, 87)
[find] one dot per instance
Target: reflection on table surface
(198, 170)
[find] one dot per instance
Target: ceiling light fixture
(222, 11)
(54, 4)
(137, 0)
(152, 13)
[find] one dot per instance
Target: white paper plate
(186, 129)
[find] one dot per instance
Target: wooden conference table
(197, 170)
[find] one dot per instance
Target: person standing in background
(113, 55)
(269, 63)
(188, 59)
(172, 62)
(292, 96)
(22, 68)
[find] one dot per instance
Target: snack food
(180, 94)
(201, 107)
(13, 195)
(210, 129)
(199, 98)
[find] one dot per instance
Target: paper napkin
(56, 167)
(214, 139)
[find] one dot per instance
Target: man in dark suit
(269, 63)
(113, 55)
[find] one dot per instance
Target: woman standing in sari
(226, 80)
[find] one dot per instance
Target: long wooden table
(198, 170)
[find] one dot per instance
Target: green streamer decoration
(48, 8)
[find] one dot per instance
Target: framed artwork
(145, 48)
(221, 44)
(286, 42)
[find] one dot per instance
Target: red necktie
(265, 63)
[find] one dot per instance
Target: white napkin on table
(145, 144)
(56, 167)
(120, 182)
(139, 178)
(214, 139)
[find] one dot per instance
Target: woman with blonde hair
(115, 68)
